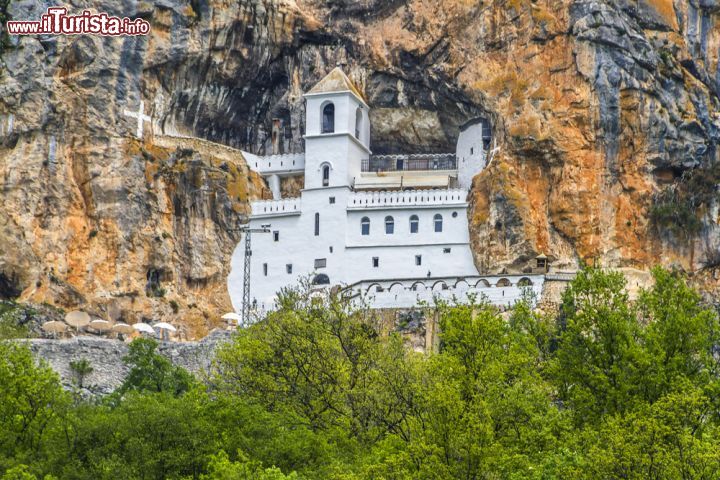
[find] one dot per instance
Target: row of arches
(442, 285)
(390, 224)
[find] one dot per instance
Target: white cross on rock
(141, 117)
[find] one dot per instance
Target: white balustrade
(275, 207)
(286, 163)
(407, 198)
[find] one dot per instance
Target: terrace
(409, 162)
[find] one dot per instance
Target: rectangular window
(446, 250)
(317, 224)
(332, 200)
(288, 268)
(276, 236)
(265, 269)
(376, 262)
(320, 262)
(331, 249)
(418, 259)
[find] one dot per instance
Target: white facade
(470, 153)
(273, 167)
(338, 235)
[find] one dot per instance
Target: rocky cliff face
(605, 118)
(609, 126)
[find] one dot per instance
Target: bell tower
(337, 132)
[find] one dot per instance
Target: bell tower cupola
(337, 132)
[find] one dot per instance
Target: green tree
(598, 359)
(681, 336)
(488, 410)
(322, 360)
(81, 369)
(147, 435)
(672, 438)
(221, 468)
(32, 401)
(151, 372)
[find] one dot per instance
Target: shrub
(81, 369)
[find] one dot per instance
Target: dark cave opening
(10, 287)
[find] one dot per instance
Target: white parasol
(54, 326)
(77, 319)
(165, 326)
(232, 316)
(143, 327)
(100, 325)
(123, 328)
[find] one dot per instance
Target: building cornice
(339, 134)
(276, 214)
(335, 187)
(337, 94)
(405, 206)
(405, 245)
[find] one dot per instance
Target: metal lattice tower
(246, 280)
(246, 270)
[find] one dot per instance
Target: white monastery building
(392, 228)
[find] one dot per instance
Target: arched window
(358, 122)
(317, 224)
(328, 118)
(365, 226)
(326, 175)
(414, 224)
(389, 225)
(437, 220)
(321, 279)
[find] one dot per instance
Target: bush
(678, 208)
(175, 306)
(151, 372)
(13, 318)
(81, 369)
(675, 214)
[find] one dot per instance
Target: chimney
(275, 136)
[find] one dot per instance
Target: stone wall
(105, 357)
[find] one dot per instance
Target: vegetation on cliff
(607, 388)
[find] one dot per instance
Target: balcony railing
(400, 163)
